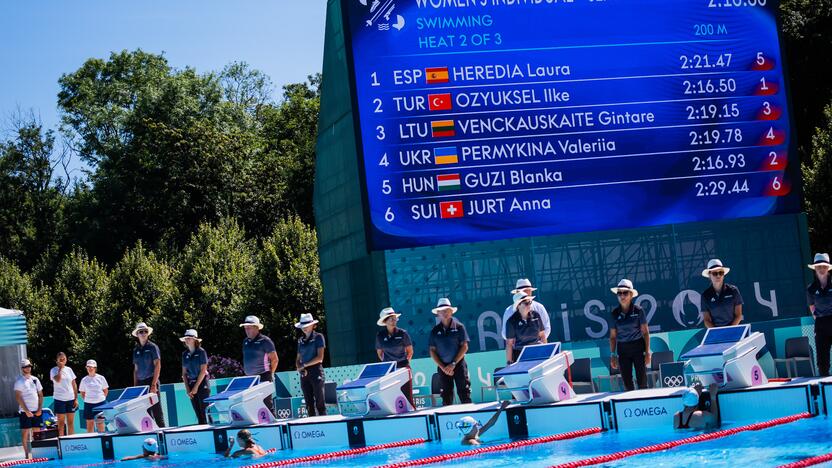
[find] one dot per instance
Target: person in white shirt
(525, 286)
(28, 392)
(94, 390)
(65, 395)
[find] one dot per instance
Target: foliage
(18, 291)
(817, 172)
(141, 289)
(219, 367)
(30, 201)
(215, 274)
(287, 283)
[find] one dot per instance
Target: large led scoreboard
(490, 119)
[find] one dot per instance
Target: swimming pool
(765, 448)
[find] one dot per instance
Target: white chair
(376, 392)
(129, 413)
(538, 375)
(727, 356)
(242, 403)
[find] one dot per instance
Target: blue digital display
(490, 119)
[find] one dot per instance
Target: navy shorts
(28, 423)
(89, 410)
(64, 407)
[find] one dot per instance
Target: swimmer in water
(248, 447)
(470, 429)
(700, 410)
(150, 451)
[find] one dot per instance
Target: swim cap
(150, 445)
(691, 398)
(466, 424)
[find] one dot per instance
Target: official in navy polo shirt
(525, 285)
(394, 344)
(820, 305)
(721, 303)
(524, 327)
(448, 344)
(195, 373)
(629, 337)
(309, 363)
(147, 365)
(259, 354)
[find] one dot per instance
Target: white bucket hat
(92, 363)
(520, 297)
(714, 264)
(252, 321)
(385, 314)
(150, 445)
(190, 333)
(625, 285)
(443, 303)
(25, 363)
(142, 326)
(820, 259)
(522, 283)
(305, 321)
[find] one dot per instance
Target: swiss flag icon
(451, 209)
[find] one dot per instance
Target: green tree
(807, 28)
(291, 130)
(30, 199)
(19, 291)
(287, 284)
(80, 296)
(141, 289)
(215, 273)
(168, 151)
(817, 172)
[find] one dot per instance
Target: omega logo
(647, 411)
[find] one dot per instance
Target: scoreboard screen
(491, 119)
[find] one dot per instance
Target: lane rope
(24, 462)
(690, 440)
(809, 461)
(339, 454)
(495, 448)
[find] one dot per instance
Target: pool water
(765, 448)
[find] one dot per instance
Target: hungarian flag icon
(451, 209)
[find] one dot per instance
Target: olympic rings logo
(673, 381)
(284, 413)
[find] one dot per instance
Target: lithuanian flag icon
(442, 128)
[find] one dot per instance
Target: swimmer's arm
(494, 418)
(133, 457)
(230, 446)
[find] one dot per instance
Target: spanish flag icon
(437, 75)
(442, 128)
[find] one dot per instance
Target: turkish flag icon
(440, 102)
(451, 209)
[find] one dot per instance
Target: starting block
(376, 392)
(242, 403)
(538, 375)
(727, 356)
(129, 413)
